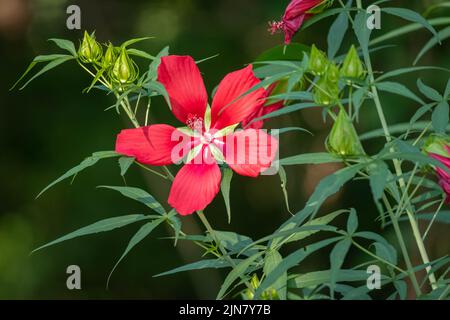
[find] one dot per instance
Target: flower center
(194, 122)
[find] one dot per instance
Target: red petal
(228, 106)
(184, 84)
(151, 145)
(250, 152)
(194, 187)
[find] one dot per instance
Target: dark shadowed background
(51, 126)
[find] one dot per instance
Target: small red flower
(444, 177)
(294, 16)
(209, 138)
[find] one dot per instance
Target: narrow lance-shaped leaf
(225, 188)
(124, 164)
(140, 235)
(88, 162)
(65, 45)
(271, 261)
(139, 195)
(99, 226)
(440, 117)
(429, 92)
(337, 32)
(337, 257)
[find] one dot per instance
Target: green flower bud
(318, 61)
(90, 50)
(110, 56)
(343, 139)
(325, 92)
(124, 70)
(352, 66)
(437, 145)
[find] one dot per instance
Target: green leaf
(271, 261)
(337, 257)
(140, 53)
(125, 164)
(140, 235)
(442, 35)
(401, 71)
(160, 89)
(352, 222)
(440, 117)
(316, 278)
(235, 243)
(65, 45)
(379, 176)
(429, 92)
(290, 261)
(52, 64)
(153, 68)
(327, 13)
(310, 158)
(412, 16)
(133, 41)
(176, 225)
(361, 30)
(321, 221)
(447, 90)
(139, 195)
(337, 33)
(399, 89)
(283, 178)
(386, 251)
(420, 113)
(88, 162)
(290, 129)
(285, 110)
(99, 226)
(236, 273)
(397, 129)
(225, 188)
(202, 264)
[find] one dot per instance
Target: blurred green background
(51, 126)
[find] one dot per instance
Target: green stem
(219, 244)
(397, 165)
(402, 244)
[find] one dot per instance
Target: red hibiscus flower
(294, 16)
(444, 177)
(209, 138)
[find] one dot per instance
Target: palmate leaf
(88, 162)
(99, 226)
(140, 235)
(139, 195)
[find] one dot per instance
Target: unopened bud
(352, 66)
(343, 139)
(90, 50)
(124, 70)
(110, 57)
(318, 61)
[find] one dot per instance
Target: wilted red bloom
(444, 177)
(247, 123)
(295, 14)
(210, 137)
